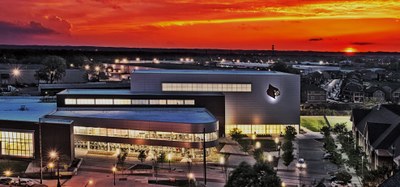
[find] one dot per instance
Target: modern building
(178, 111)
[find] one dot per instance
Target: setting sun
(350, 50)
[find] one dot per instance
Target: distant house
(377, 132)
(353, 91)
(377, 94)
(312, 94)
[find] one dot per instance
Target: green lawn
(13, 165)
(340, 119)
(313, 123)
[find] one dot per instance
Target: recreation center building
(164, 110)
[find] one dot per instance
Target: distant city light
(87, 67)
(97, 68)
(138, 59)
(116, 60)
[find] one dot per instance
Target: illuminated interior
(92, 101)
(18, 144)
(205, 87)
(262, 129)
(153, 135)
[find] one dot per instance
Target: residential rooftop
(28, 109)
(172, 115)
(211, 72)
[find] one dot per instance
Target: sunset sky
(320, 25)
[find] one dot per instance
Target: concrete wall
(240, 108)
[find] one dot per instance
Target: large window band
(206, 87)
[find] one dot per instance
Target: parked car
(5, 180)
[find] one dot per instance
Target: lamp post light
(190, 178)
(7, 173)
(54, 155)
(114, 170)
(16, 73)
(283, 184)
(301, 167)
(270, 159)
(258, 145)
(169, 157)
(89, 182)
(51, 166)
(222, 162)
(87, 67)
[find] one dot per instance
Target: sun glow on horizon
(350, 50)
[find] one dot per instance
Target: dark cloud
(33, 28)
(363, 43)
(315, 39)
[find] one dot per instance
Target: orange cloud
(236, 24)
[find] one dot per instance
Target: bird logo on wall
(273, 91)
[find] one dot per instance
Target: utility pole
(204, 157)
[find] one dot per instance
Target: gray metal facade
(255, 107)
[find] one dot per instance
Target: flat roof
(172, 115)
(126, 92)
(10, 108)
(212, 72)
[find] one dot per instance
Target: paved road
(317, 168)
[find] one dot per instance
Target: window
(205, 87)
(70, 101)
(189, 102)
(104, 101)
(175, 102)
(17, 143)
(122, 102)
(85, 101)
(140, 101)
(158, 102)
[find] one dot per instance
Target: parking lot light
(7, 173)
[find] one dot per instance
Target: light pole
(169, 157)
(393, 164)
(51, 166)
(302, 166)
(8, 173)
(16, 73)
(190, 178)
(90, 182)
(362, 166)
(253, 138)
(258, 145)
(54, 156)
(189, 162)
(114, 170)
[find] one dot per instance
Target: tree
(261, 174)
(142, 155)
(122, 157)
(343, 176)
(287, 157)
(236, 134)
(243, 175)
(339, 128)
(266, 175)
(326, 131)
(290, 133)
(161, 158)
(53, 69)
(258, 155)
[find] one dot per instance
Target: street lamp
(7, 173)
(283, 184)
(258, 145)
(51, 166)
(97, 68)
(169, 157)
(269, 158)
(253, 137)
(222, 162)
(87, 67)
(54, 155)
(90, 182)
(114, 170)
(190, 178)
(301, 167)
(16, 73)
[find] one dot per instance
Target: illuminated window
(189, 102)
(104, 101)
(205, 87)
(140, 101)
(85, 101)
(17, 143)
(122, 102)
(175, 102)
(158, 102)
(70, 101)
